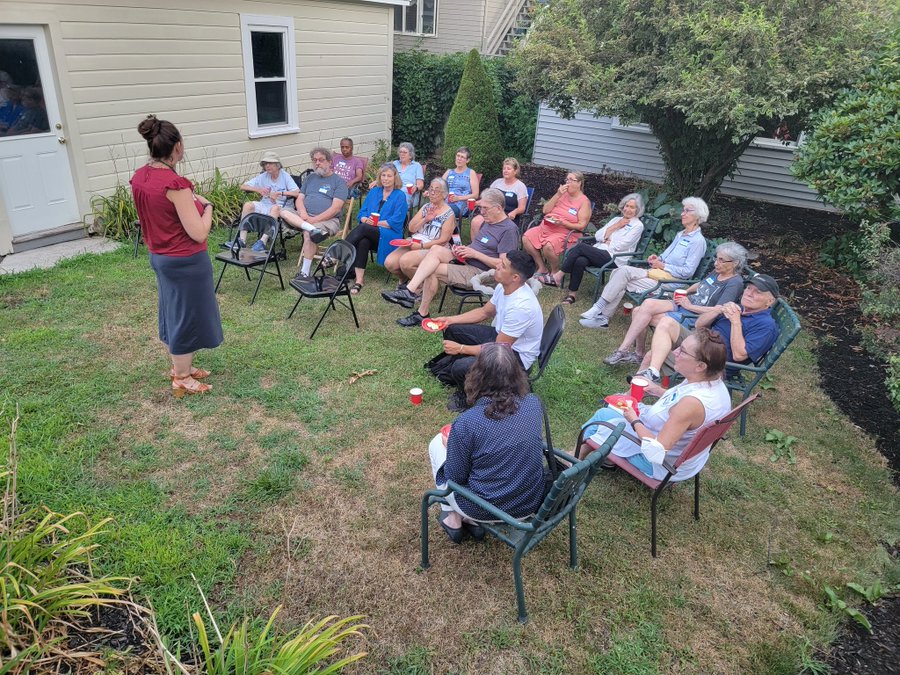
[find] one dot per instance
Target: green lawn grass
(289, 485)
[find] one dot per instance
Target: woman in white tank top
(667, 427)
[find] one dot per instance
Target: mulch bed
(787, 242)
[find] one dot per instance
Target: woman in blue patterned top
(495, 448)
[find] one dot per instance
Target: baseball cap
(765, 283)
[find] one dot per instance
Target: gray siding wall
(460, 25)
(594, 144)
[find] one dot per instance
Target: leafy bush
(425, 86)
(841, 252)
(852, 155)
(473, 121)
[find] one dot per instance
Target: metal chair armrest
(743, 366)
(490, 508)
(630, 436)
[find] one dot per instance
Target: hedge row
(425, 87)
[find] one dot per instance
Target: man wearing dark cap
(749, 329)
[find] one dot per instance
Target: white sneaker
(592, 313)
(600, 322)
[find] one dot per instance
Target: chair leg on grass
(520, 591)
(295, 307)
(653, 521)
(424, 533)
(697, 497)
(221, 274)
(573, 541)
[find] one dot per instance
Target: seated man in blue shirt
(749, 329)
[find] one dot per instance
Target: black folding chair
(246, 259)
(334, 285)
(553, 330)
(138, 236)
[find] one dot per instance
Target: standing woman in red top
(175, 223)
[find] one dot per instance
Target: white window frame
(272, 24)
(418, 31)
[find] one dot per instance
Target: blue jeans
(638, 461)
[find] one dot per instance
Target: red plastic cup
(638, 384)
(375, 217)
(679, 293)
(459, 257)
(409, 188)
(415, 396)
(471, 204)
(626, 308)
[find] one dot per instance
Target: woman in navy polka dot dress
(495, 448)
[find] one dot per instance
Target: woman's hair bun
(149, 128)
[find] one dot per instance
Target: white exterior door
(35, 174)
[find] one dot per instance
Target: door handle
(61, 139)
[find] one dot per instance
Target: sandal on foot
(196, 373)
(355, 289)
(548, 280)
(188, 385)
(569, 299)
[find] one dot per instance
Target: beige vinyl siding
(183, 61)
(596, 144)
(459, 29)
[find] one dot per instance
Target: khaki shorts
(331, 226)
(461, 275)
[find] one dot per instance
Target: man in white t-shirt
(517, 321)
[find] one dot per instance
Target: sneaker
(599, 322)
(403, 297)
(620, 356)
(258, 247)
(411, 321)
(592, 313)
(648, 374)
(236, 243)
(457, 402)
(302, 276)
(317, 235)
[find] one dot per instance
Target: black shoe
(455, 533)
(316, 236)
(607, 465)
(457, 402)
(411, 321)
(300, 277)
(475, 530)
(403, 297)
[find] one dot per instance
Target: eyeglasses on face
(688, 209)
(724, 260)
(685, 352)
(572, 180)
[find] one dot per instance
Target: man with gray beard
(321, 199)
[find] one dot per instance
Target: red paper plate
(617, 400)
(445, 432)
(401, 242)
(432, 325)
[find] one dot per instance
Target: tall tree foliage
(473, 121)
(706, 75)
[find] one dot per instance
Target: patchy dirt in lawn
(787, 241)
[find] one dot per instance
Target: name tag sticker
(510, 194)
(324, 189)
(485, 240)
(709, 280)
(573, 211)
(685, 243)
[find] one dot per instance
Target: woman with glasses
(622, 233)
(667, 427)
(412, 175)
(567, 211)
(724, 285)
(432, 226)
(677, 262)
(387, 201)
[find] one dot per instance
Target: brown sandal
(356, 288)
(569, 300)
(188, 385)
(196, 373)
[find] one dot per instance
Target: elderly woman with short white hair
(677, 263)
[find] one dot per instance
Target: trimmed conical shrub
(473, 122)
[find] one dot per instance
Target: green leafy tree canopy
(852, 154)
(473, 121)
(706, 75)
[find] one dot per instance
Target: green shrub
(473, 121)
(852, 155)
(425, 86)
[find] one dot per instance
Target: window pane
(398, 18)
(271, 103)
(22, 107)
(428, 16)
(411, 13)
(268, 54)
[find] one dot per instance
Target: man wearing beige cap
(276, 186)
(320, 202)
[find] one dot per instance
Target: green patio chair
(524, 534)
(665, 288)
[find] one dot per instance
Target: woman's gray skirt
(188, 313)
